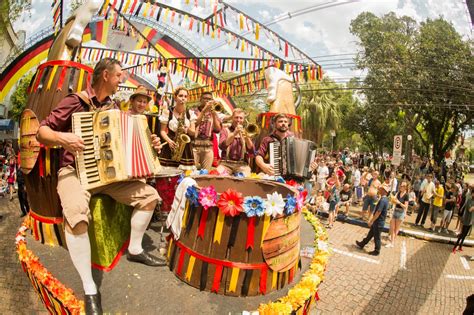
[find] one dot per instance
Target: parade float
(235, 236)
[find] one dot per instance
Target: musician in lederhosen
(207, 123)
(139, 101)
(236, 146)
(177, 128)
(280, 132)
(55, 130)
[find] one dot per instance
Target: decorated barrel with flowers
(238, 236)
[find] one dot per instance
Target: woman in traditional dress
(179, 120)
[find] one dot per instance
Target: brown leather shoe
(93, 304)
(147, 259)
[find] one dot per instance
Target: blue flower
(290, 204)
(203, 172)
(253, 206)
(280, 179)
(239, 175)
(192, 195)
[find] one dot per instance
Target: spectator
(450, 203)
(357, 185)
(333, 198)
(400, 200)
(467, 221)
(345, 198)
(11, 176)
(437, 203)
(371, 196)
(427, 191)
(377, 221)
(22, 197)
(323, 173)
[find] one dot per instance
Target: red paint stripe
(263, 280)
(216, 284)
(23, 61)
(47, 220)
(180, 262)
(224, 263)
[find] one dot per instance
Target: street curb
(405, 232)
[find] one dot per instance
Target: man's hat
(141, 90)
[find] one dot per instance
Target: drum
(236, 255)
(166, 184)
(52, 82)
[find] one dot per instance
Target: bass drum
(52, 82)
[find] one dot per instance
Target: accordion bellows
(117, 148)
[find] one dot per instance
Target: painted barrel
(52, 82)
(240, 255)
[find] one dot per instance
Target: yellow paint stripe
(266, 225)
(48, 162)
(274, 279)
(169, 248)
(233, 279)
(79, 82)
(219, 227)
(51, 77)
(189, 272)
(186, 208)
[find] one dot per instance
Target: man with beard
(237, 147)
(55, 130)
(281, 132)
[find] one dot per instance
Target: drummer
(237, 147)
(139, 101)
(281, 131)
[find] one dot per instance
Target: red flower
(292, 183)
(231, 202)
(214, 172)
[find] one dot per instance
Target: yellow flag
(219, 226)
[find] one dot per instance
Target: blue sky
(320, 32)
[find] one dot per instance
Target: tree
(19, 97)
(423, 73)
(319, 110)
(10, 10)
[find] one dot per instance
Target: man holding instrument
(55, 130)
(207, 123)
(281, 131)
(236, 146)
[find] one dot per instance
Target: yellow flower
(275, 308)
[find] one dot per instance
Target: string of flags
(56, 9)
(217, 26)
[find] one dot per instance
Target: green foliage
(20, 96)
(12, 9)
(422, 71)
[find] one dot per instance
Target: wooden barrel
(240, 255)
(52, 82)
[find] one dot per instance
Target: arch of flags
(257, 47)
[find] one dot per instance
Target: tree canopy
(421, 74)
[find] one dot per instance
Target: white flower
(323, 246)
(274, 204)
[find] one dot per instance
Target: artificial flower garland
(31, 263)
(232, 202)
(306, 289)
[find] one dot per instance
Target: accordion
(117, 148)
(292, 157)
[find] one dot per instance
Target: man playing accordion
(281, 131)
(55, 130)
(236, 146)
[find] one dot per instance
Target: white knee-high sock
(139, 223)
(80, 251)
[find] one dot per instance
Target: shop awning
(7, 124)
